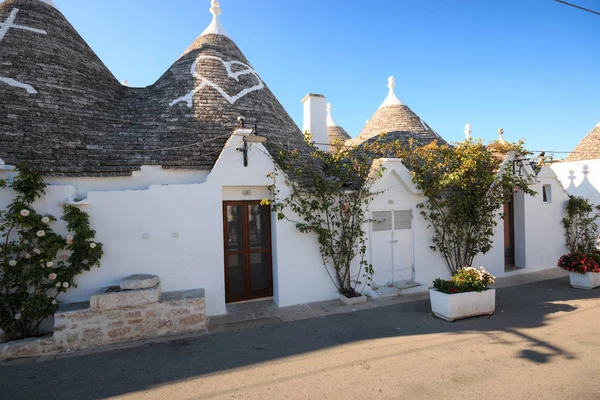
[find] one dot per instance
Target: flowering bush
(36, 264)
(467, 279)
(580, 262)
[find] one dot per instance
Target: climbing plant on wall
(36, 264)
(466, 185)
(329, 198)
(580, 225)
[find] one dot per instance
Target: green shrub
(580, 225)
(36, 264)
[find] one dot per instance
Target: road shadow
(119, 372)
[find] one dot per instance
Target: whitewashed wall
(143, 179)
(400, 193)
(175, 231)
(580, 178)
(183, 225)
(539, 237)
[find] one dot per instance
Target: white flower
(18, 316)
(25, 213)
(64, 257)
(49, 264)
(37, 251)
(52, 276)
(12, 263)
(65, 285)
(45, 220)
(93, 245)
(58, 284)
(27, 256)
(69, 239)
(40, 233)
(54, 302)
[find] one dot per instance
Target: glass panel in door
(258, 232)
(259, 271)
(236, 273)
(235, 228)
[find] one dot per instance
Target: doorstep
(399, 289)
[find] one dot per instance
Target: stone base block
(114, 297)
(136, 282)
(78, 327)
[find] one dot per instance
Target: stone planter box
(462, 305)
(353, 300)
(589, 280)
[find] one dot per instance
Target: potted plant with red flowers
(584, 269)
(583, 260)
(467, 294)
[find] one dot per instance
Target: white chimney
(315, 119)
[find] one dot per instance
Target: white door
(391, 246)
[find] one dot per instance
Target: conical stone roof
(77, 120)
(50, 82)
(588, 148)
(337, 135)
(398, 122)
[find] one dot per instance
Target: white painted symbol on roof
(204, 82)
(9, 23)
(14, 83)
(4, 27)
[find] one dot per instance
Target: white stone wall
(580, 178)
(539, 237)
(175, 232)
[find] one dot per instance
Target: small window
(382, 221)
(402, 220)
(547, 193)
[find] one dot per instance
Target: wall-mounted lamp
(249, 136)
(519, 163)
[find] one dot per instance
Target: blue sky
(529, 66)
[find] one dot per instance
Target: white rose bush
(36, 264)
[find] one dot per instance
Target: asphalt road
(542, 343)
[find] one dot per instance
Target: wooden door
(509, 233)
(247, 239)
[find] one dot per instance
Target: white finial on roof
(467, 131)
(215, 26)
(125, 82)
(50, 3)
(391, 98)
(500, 133)
(330, 121)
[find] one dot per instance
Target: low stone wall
(79, 327)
